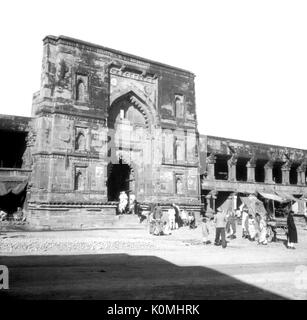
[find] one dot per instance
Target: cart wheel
(270, 234)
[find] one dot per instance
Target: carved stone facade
(106, 122)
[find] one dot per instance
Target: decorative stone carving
(287, 165)
(211, 159)
(269, 164)
(252, 162)
(133, 75)
(233, 160)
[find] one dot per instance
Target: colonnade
(251, 167)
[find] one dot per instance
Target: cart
(276, 227)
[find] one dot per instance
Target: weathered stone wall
(79, 131)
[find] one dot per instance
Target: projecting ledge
(249, 187)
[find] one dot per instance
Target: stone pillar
(208, 202)
(285, 169)
(268, 172)
(214, 196)
(232, 168)
(251, 165)
(301, 175)
(211, 160)
(233, 198)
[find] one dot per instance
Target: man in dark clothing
(220, 224)
(231, 223)
(292, 233)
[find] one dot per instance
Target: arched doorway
(129, 124)
(119, 179)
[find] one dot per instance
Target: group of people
(128, 205)
(18, 215)
(254, 227)
(162, 222)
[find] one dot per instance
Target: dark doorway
(221, 167)
(241, 172)
(259, 170)
(293, 173)
(13, 145)
(277, 172)
(118, 180)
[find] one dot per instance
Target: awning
(271, 196)
(19, 188)
(254, 205)
(4, 190)
(287, 196)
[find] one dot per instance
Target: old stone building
(230, 168)
(105, 121)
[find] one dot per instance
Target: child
(205, 230)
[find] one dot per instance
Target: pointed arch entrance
(130, 122)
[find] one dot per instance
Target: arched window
(80, 92)
(80, 142)
(179, 107)
(179, 187)
(79, 180)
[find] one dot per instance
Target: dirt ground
(132, 264)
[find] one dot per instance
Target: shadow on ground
(119, 276)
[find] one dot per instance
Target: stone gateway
(104, 122)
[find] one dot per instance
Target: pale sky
(249, 57)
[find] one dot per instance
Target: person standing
(220, 225)
(292, 233)
(205, 230)
(263, 230)
(123, 202)
(231, 223)
(171, 217)
(245, 222)
(177, 216)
